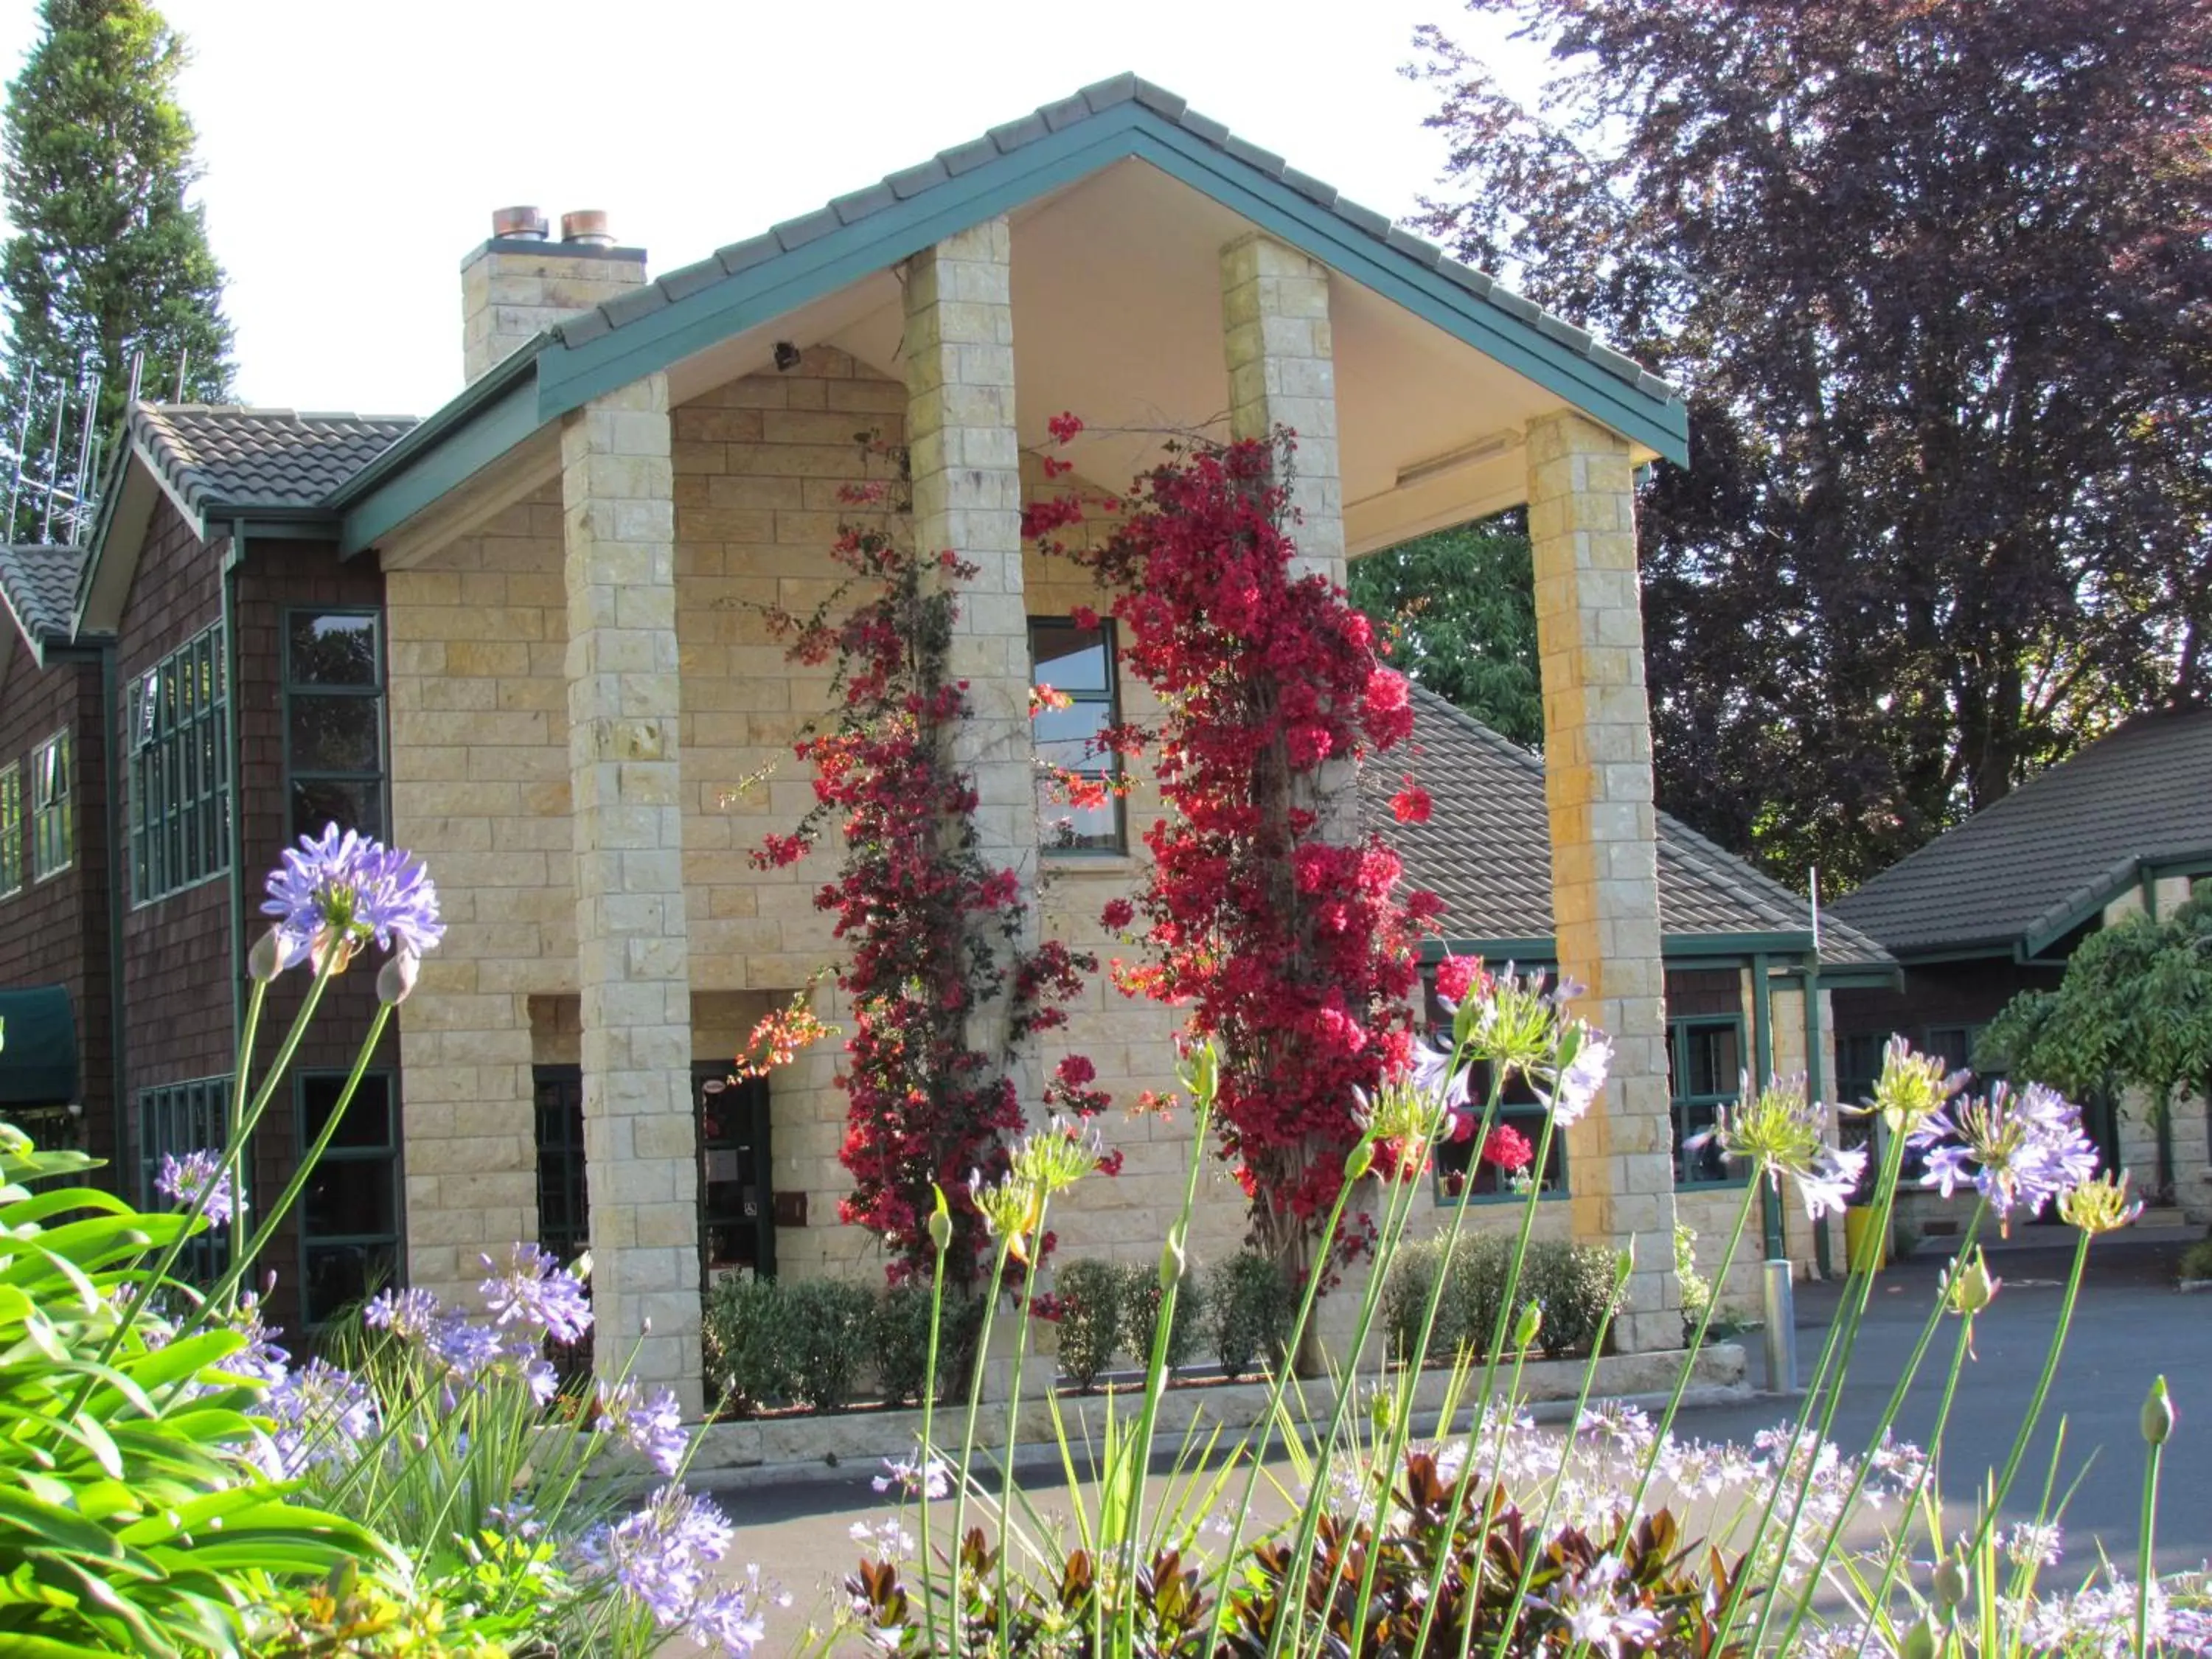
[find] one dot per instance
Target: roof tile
(233, 457)
(39, 583)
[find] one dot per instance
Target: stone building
(578, 714)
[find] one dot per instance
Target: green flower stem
(1270, 1419)
(1347, 1389)
(243, 1136)
(1960, 1351)
(1843, 1333)
(928, 1446)
(1155, 1378)
(300, 1175)
(968, 1434)
(1401, 1422)
(1531, 1556)
(1013, 1409)
(1689, 1361)
(2149, 1532)
(1497, 1329)
(235, 1165)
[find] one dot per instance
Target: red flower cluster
(1278, 926)
(917, 908)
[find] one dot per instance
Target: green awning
(38, 1047)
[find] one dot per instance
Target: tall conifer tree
(109, 258)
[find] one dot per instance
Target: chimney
(520, 283)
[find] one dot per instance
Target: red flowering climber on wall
(1267, 913)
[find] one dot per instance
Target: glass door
(737, 1223)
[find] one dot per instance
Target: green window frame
(178, 738)
(1081, 663)
(54, 806)
(11, 829)
(333, 684)
(175, 1119)
(1457, 1173)
(1705, 1067)
(350, 1212)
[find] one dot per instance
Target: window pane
(333, 650)
(1073, 728)
(1705, 1163)
(339, 1275)
(317, 803)
(1064, 825)
(1069, 659)
(1715, 1064)
(347, 1197)
(333, 734)
(367, 1118)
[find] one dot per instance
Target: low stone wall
(766, 1450)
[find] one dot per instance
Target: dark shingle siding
(2057, 844)
(262, 457)
(1487, 849)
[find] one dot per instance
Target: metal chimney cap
(588, 226)
(517, 224)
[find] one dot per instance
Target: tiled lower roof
(2034, 864)
(39, 583)
(1485, 850)
(228, 456)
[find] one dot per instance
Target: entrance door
(736, 1220)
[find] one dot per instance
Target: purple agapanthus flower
(661, 1555)
(320, 1415)
(184, 1179)
(1580, 1081)
(411, 1315)
(2019, 1148)
(336, 891)
(533, 1286)
(651, 1424)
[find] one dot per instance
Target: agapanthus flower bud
(1923, 1641)
(395, 980)
(940, 1222)
(1530, 1322)
(1173, 1263)
(266, 959)
(1951, 1584)
(1361, 1160)
(2158, 1414)
(1969, 1286)
(2101, 1206)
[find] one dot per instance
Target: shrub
(827, 1324)
(1405, 1297)
(1574, 1284)
(1252, 1312)
(748, 1357)
(901, 1342)
(2196, 1260)
(1697, 1291)
(1140, 1312)
(1090, 1296)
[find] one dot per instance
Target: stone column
(965, 463)
(1282, 372)
(1605, 877)
(639, 1143)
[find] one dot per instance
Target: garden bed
(770, 1450)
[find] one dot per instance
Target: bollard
(1781, 1308)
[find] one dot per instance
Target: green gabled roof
(2027, 870)
(754, 282)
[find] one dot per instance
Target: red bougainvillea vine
(931, 929)
(1266, 911)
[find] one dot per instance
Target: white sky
(353, 152)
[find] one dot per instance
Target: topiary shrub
(748, 1356)
(1406, 1298)
(1091, 1294)
(1140, 1312)
(828, 1325)
(1574, 1284)
(1252, 1312)
(901, 1342)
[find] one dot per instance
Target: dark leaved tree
(1935, 278)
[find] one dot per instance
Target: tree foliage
(1934, 278)
(108, 258)
(2133, 1011)
(1460, 606)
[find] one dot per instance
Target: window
(1078, 663)
(349, 1212)
(176, 1120)
(1463, 1172)
(334, 721)
(1705, 1063)
(11, 829)
(53, 808)
(178, 737)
